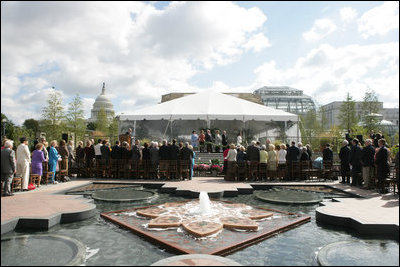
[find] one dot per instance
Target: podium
(125, 137)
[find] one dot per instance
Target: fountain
(197, 222)
(205, 204)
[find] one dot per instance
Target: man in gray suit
(7, 166)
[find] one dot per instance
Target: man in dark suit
(187, 154)
(173, 150)
(382, 165)
(344, 156)
(136, 151)
(367, 159)
(293, 154)
(224, 140)
(355, 162)
(253, 152)
(327, 153)
(163, 152)
(209, 140)
(8, 167)
(116, 152)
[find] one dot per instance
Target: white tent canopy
(210, 106)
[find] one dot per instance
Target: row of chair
(294, 170)
(124, 168)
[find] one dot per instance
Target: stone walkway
(46, 206)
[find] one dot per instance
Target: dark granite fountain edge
(46, 222)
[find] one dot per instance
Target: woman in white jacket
(23, 160)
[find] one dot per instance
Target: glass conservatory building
(286, 98)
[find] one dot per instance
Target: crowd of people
(365, 164)
(361, 165)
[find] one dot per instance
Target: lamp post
(4, 121)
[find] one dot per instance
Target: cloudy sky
(142, 50)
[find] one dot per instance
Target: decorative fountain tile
(254, 224)
(165, 222)
(202, 228)
(239, 223)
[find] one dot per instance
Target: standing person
(304, 154)
(355, 162)
(327, 153)
(309, 151)
(253, 152)
(53, 159)
(344, 156)
(241, 155)
(80, 157)
(218, 141)
(23, 161)
(71, 157)
(225, 160)
(163, 151)
(194, 140)
(136, 150)
(187, 154)
(202, 139)
(293, 154)
(8, 168)
(231, 156)
(209, 141)
(367, 159)
(194, 156)
(154, 157)
(89, 155)
(173, 150)
(263, 155)
(272, 158)
(97, 149)
(224, 141)
(382, 165)
(105, 152)
(267, 143)
(37, 161)
(239, 139)
(45, 145)
(116, 150)
(282, 155)
(63, 152)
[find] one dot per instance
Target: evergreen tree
(347, 114)
(369, 107)
(76, 119)
(102, 122)
(53, 115)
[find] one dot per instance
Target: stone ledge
(363, 217)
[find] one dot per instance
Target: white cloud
(257, 43)
(379, 20)
(328, 72)
(348, 14)
(138, 50)
(320, 29)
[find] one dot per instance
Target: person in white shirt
(239, 139)
(23, 160)
(97, 149)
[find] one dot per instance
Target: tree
(32, 125)
(91, 126)
(113, 128)
(309, 126)
(75, 118)
(369, 107)
(53, 114)
(102, 122)
(347, 114)
(9, 127)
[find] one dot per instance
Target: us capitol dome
(102, 101)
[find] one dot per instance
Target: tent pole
(298, 134)
(171, 130)
(134, 131)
